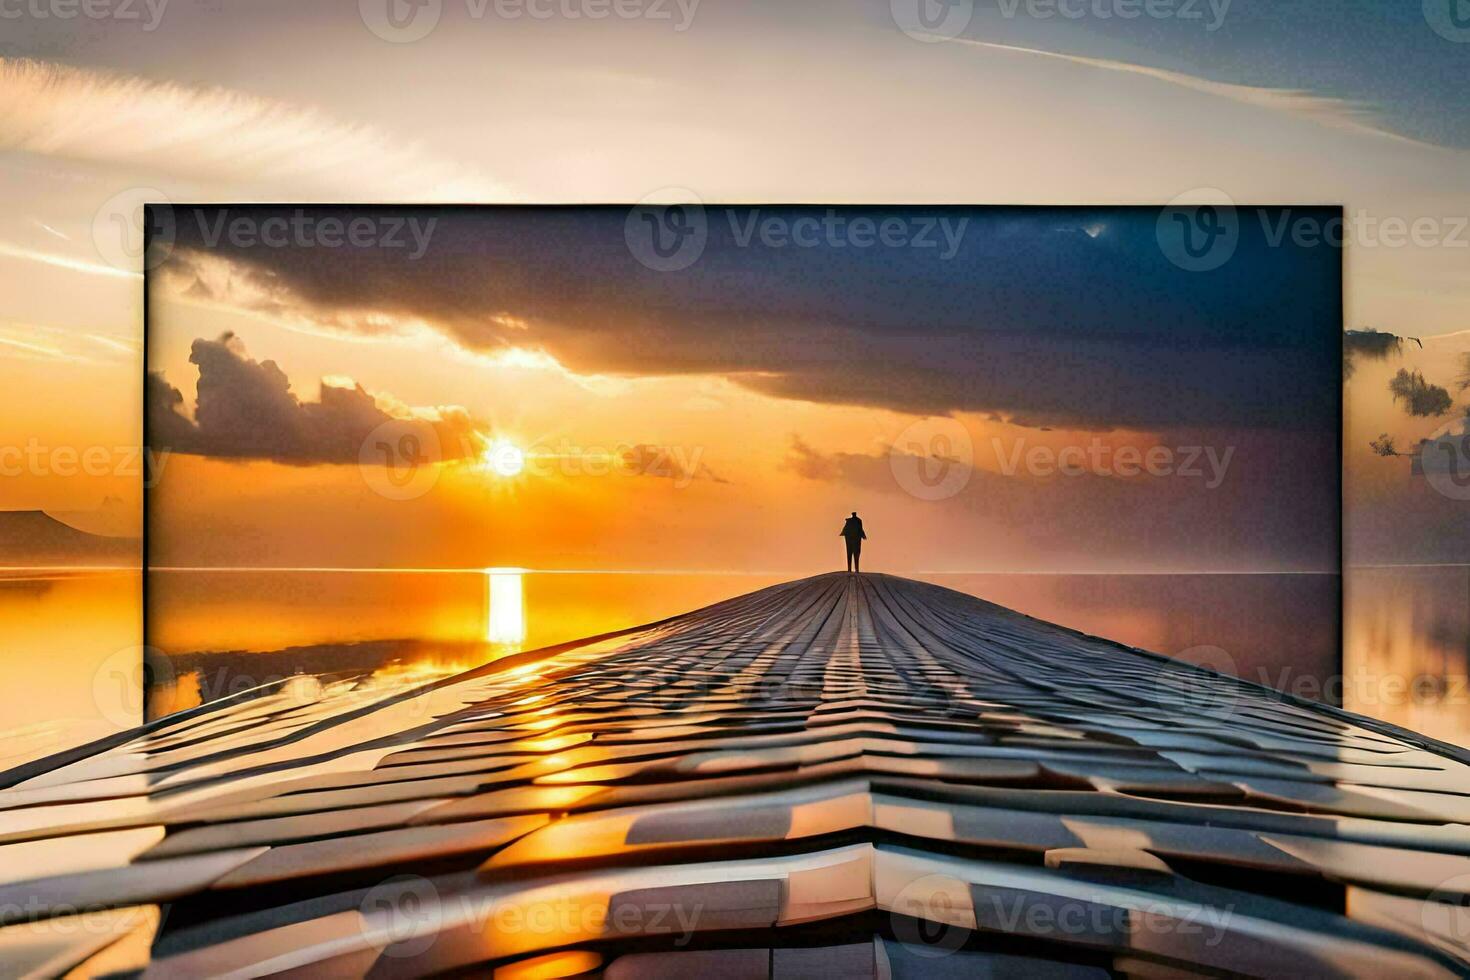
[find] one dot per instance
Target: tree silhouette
(1418, 397)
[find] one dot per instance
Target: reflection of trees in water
(226, 673)
(1410, 626)
(28, 587)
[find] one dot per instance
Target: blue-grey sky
(1383, 57)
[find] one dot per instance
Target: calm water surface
(72, 638)
(72, 659)
(224, 631)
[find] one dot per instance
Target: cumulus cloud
(247, 410)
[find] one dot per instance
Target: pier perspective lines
(846, 775)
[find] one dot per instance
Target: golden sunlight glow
(505, 615)
(505, 458)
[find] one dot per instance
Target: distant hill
(33, 537)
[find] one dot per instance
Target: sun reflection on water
(505, 607)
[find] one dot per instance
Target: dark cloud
(167, 425)
(1046, 316)
(247, 410)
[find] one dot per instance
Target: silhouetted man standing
(852, 531)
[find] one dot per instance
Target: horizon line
(767, 573)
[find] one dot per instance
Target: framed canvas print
(625, 590)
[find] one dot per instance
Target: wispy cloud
(13, 251)
(127, 345)
(49, 230)
(33, 341)
(26, 347)
(27, 343)
(1328, 111)
(216, 134)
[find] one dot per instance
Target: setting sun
(505, 458)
